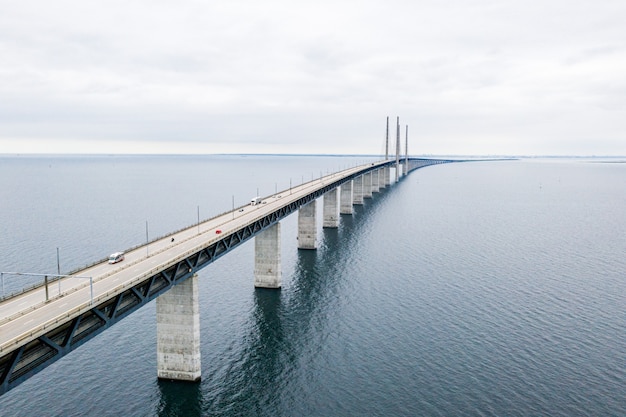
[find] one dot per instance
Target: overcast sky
(480, 77)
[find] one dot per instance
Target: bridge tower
(387, 141)
(397, 149)
(386, 170)
(406, 151)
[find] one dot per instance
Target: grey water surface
(467, 289)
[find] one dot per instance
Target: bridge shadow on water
(288, 328)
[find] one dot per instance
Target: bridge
(43, 324)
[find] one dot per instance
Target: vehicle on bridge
(255, 201)
(116, 257)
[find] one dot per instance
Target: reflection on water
(178, 398)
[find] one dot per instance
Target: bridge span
(39, 326)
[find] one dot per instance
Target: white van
(255, 201)
(116, 257)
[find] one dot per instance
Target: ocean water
(474, 289)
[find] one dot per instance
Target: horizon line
(495, 155)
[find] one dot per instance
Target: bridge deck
(35, 333)
(27, 316)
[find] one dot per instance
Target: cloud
(468, 76)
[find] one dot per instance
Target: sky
(468, 77)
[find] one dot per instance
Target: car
(116, 257)
(218, 231)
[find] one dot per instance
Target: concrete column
(267, 266)
(387, 175)
(357, 192)
(376, 181)
(307, 226)
(406, 167)
(345, 206)
(178, 332)
(367, 185)
(331, 209)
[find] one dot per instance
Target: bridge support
(267, 266)
(307, 222)
(178, 332)
(387, 176)
(345, 206)
(367, 185)
(331, 209)
(376, 181)
(357, 192)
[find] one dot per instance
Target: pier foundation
(178, 332)
(367, 185)
(376, 181)
(307, 230)
(357, 190)
(345, 197)
(387, 176)
(331, 209)
(267, 265)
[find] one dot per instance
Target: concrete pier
(331, 209)
(267, 265)
(307, 230)
(357, 190)
(367, 185)
(376, 181)
(387, 176)
(178, 332)
(345, 206)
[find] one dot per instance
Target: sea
(478, 288)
